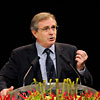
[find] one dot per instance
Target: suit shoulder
(24, 48)
(65, 45)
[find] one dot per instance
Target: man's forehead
(47, 22)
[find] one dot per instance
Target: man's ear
(34, 33)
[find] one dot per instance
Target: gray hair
(38, 17)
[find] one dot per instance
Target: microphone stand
(26, 75)
(33, 63)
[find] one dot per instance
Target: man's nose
(51, 31)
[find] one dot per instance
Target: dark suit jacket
(21, 58)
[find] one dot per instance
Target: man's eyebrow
(49, 26)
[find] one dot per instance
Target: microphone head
(34, 61)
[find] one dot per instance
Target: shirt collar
(40, 48)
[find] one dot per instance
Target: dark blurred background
(78, 25)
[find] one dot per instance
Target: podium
(80, 88)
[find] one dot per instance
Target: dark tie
(50, 66)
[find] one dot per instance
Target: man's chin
(50, 44)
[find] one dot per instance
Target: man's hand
(4, 92)
(81, 57)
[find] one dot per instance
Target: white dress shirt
(42, 59)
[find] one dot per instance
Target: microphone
(32, 63)
(68, 62)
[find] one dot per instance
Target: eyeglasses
(47, 28)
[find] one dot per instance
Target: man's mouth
(51, 38)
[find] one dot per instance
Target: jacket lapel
(58, 60)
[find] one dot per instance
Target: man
(67, 61)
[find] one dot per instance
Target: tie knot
(47, 51)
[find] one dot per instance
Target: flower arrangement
(69, 91)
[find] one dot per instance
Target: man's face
(46, 34)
